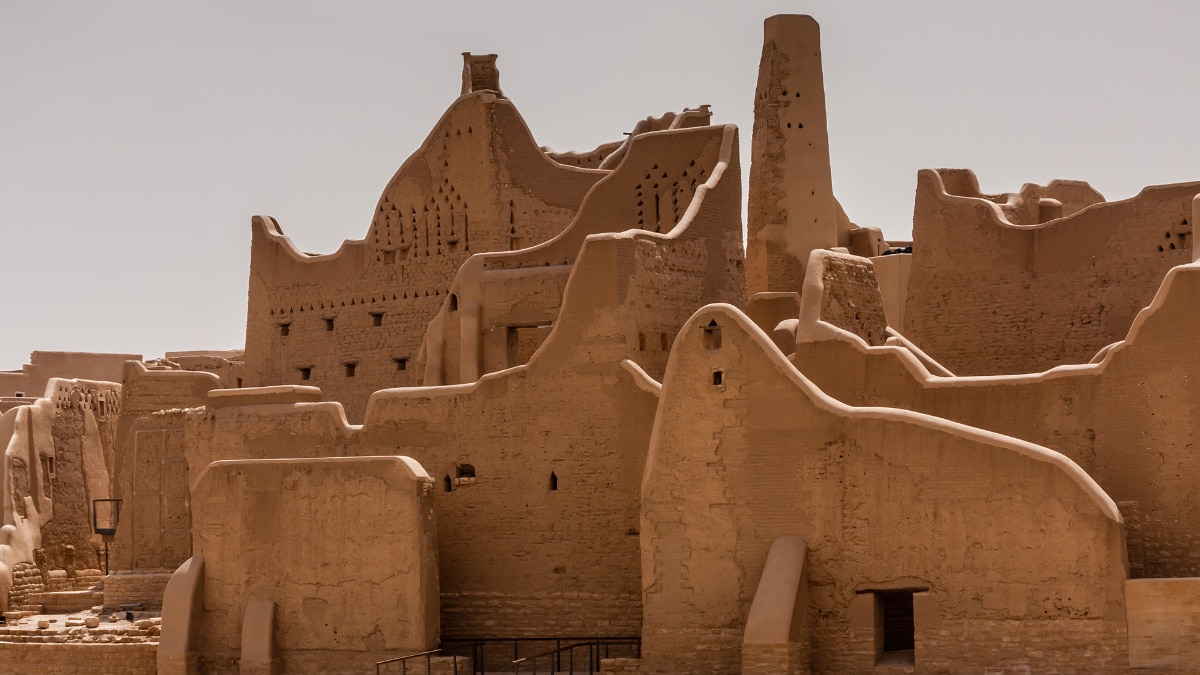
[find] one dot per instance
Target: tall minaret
(792, 209)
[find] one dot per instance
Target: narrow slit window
(718, 378)
(553, 482)
(641, 342)
(329, 324)
(447, 484)
(663, 343)
(453, 302)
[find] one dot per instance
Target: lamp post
(106, 513)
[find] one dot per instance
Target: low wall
(126, 589)
(79, 659)
(26, 581)
(1163, 616)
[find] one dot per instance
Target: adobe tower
(792, 209)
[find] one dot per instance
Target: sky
(137, 139)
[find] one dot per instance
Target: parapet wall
(352, 322)
(150, 469)
(343, 550)
(33, 377)
(520, 467)
(986, 296)
(1128, 419)
(841, 290)
(746, 450)
(682, 184)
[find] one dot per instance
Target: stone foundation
(79, 659)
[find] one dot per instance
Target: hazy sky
(137, 139)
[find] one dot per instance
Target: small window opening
(401, 363)
(553, 482)
(453, 302)
(350, 368)
(48, 476)
(285, 329)
(305, 373)
(464, 475)
(239, 383)
(641, 342)
(712, 335)
(894, 626)
(376, 318)
(447, 484)
(718, 378)
(329, 324)
(663, 343)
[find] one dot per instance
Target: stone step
(61, 602)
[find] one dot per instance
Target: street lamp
(105, 515)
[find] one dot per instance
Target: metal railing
(428, 656)
(597, 649)
(563, 652)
